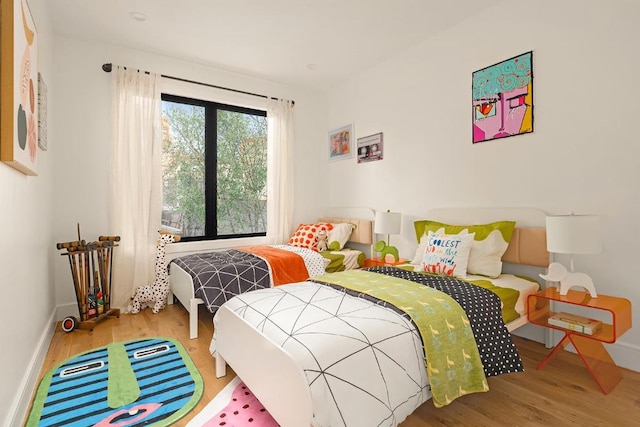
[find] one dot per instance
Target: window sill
(186, 248)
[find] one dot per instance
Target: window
(214, 169)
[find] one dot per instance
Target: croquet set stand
(91, 269)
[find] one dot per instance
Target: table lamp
(574, 235)
(387, 223)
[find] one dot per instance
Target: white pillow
(485, 257)
(447, 254)
(338, 235)
(422, 245)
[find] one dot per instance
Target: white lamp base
(568, 279)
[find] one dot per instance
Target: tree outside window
(214, 167)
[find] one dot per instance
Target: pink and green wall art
(503, 99)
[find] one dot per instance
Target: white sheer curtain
(135, 198)
(280, 142)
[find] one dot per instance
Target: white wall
(72, 188)
(582, 156)
(82, 160)
(27, 299)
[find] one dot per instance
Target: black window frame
(211, 163)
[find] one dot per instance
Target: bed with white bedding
(212, 278)
(340, 356)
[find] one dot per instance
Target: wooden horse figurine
(157, 292)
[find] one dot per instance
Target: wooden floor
(561, 394)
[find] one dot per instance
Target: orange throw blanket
(286, 267)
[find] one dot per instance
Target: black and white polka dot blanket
(498, 353)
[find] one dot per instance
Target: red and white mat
(234, 406)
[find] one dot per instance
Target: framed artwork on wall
(502, 103)
(19, 86)
(340, 143)
(370, 148)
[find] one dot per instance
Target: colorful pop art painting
(503, 99)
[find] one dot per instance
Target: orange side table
(589, 347)
(375, 262)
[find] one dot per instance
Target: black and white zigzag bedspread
(364, 361)
(219, 276)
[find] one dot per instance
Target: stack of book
(575, 323)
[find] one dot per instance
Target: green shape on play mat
(123, 386)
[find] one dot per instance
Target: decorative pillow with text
(447, 254)
(422, 246)
(490, 243)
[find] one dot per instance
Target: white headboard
(528, 244)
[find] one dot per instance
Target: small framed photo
(341, 143)
(370, 148)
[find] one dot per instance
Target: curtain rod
(109, 66)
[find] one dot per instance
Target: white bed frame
(181, 286)
(181, 283)
(277, 380)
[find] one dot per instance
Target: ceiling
(314, 44)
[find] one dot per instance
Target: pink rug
(234, 406)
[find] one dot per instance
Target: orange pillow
(306, 236)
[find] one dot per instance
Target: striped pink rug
(234, 406)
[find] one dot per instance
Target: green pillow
(490, 243)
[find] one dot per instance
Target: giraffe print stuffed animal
(157, 292)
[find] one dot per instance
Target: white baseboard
(531, 332)
(625, 355)
(67, 310)
(29, 383)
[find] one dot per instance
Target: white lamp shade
(574, 234)
(387, 222)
